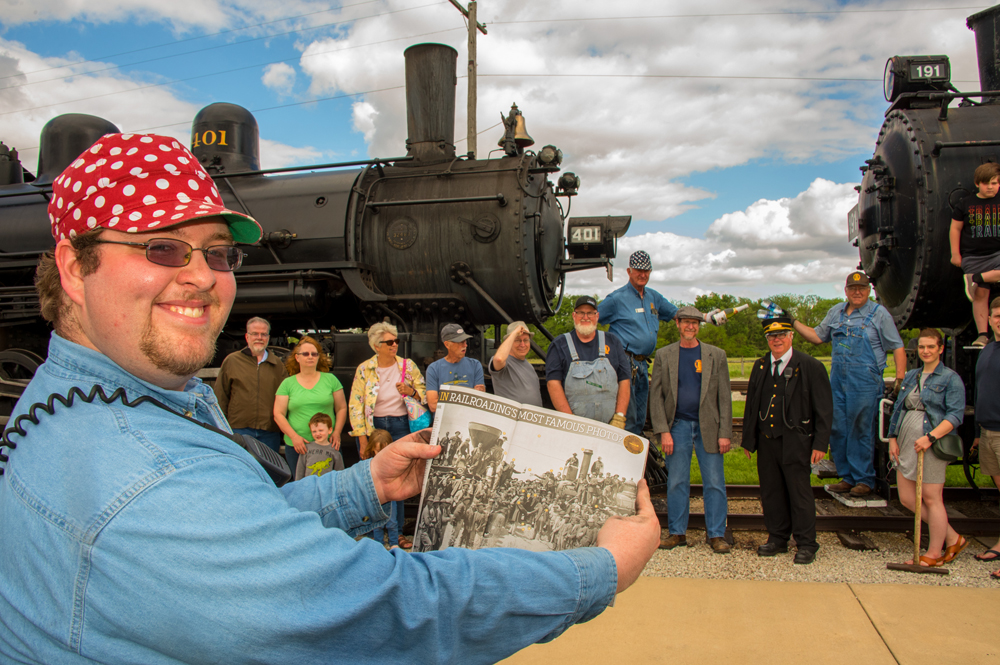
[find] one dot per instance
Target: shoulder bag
(417, 413)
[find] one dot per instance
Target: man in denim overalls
(587, 371)
(862, 332)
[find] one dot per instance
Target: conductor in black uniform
(788, 417)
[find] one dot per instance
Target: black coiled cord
(271, 462)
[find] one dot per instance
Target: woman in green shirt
(308, 390)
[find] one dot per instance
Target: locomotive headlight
(915, 73)
(568, 183)
(550, 156)
(595, 237)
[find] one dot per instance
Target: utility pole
(470, 14)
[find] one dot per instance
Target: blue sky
(731, 132)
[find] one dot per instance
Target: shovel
(915, 567)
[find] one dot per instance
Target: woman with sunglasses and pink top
(380, 384)
(309, 389)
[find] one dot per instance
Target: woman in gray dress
(931, 404)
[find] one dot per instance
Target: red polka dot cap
(138, 182)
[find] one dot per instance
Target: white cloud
(155, 109)
(792, 244)
(630, 138)
(279, 77)
(274, 155)
(364, 119)
(182, 14)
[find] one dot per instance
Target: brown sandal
(928, 562)
(954, 550)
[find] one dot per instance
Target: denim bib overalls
(591, 385)
(856, 380)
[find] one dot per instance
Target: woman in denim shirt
(931, 403)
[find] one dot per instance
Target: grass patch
(739, 368)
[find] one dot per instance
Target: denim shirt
(943, 397)
(135, 536)
(634, 320)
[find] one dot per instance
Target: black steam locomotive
(922, 168)
(421, 240)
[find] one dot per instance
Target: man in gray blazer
(691, 406)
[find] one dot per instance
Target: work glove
(618, 421)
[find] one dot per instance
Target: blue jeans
(856, 393)
(270, 439)
(635, 414)
(398, 427)
(687, 437)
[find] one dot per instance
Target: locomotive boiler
(431, 238)
(925, 156)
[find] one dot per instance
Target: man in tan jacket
(247, 382)
(690, 403)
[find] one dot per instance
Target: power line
(227, 71)
(191, 39)
(218, 46)
(686, 76)
(738, 15)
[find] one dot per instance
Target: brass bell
(514, 131)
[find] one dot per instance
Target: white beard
(585, 329)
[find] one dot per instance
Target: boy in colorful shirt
(975, 243)
(321, 457)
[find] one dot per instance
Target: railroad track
(889, 519)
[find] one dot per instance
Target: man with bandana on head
(633, 314)
(145, 533)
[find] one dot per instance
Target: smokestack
(430, 101)
(984, 24)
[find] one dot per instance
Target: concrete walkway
(678, 620)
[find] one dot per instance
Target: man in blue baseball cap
(633, 314)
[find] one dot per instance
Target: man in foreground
(691, 405)
(152, 536)
(862, 332)
(247, 383)
(633, 314)
(787, 421)
(587, 371)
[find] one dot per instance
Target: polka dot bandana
(640, 261)
(138, 182)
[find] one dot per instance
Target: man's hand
(398, 471)
(724, 445)
(817, 455)
(956, 260)
(632, 540)
(618, 421)
(667, 443)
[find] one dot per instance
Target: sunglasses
(308, 354)
(390, 342)
(177, 253)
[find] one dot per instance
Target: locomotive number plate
(402, 233)
(585, 235)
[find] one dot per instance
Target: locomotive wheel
(19, 364)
